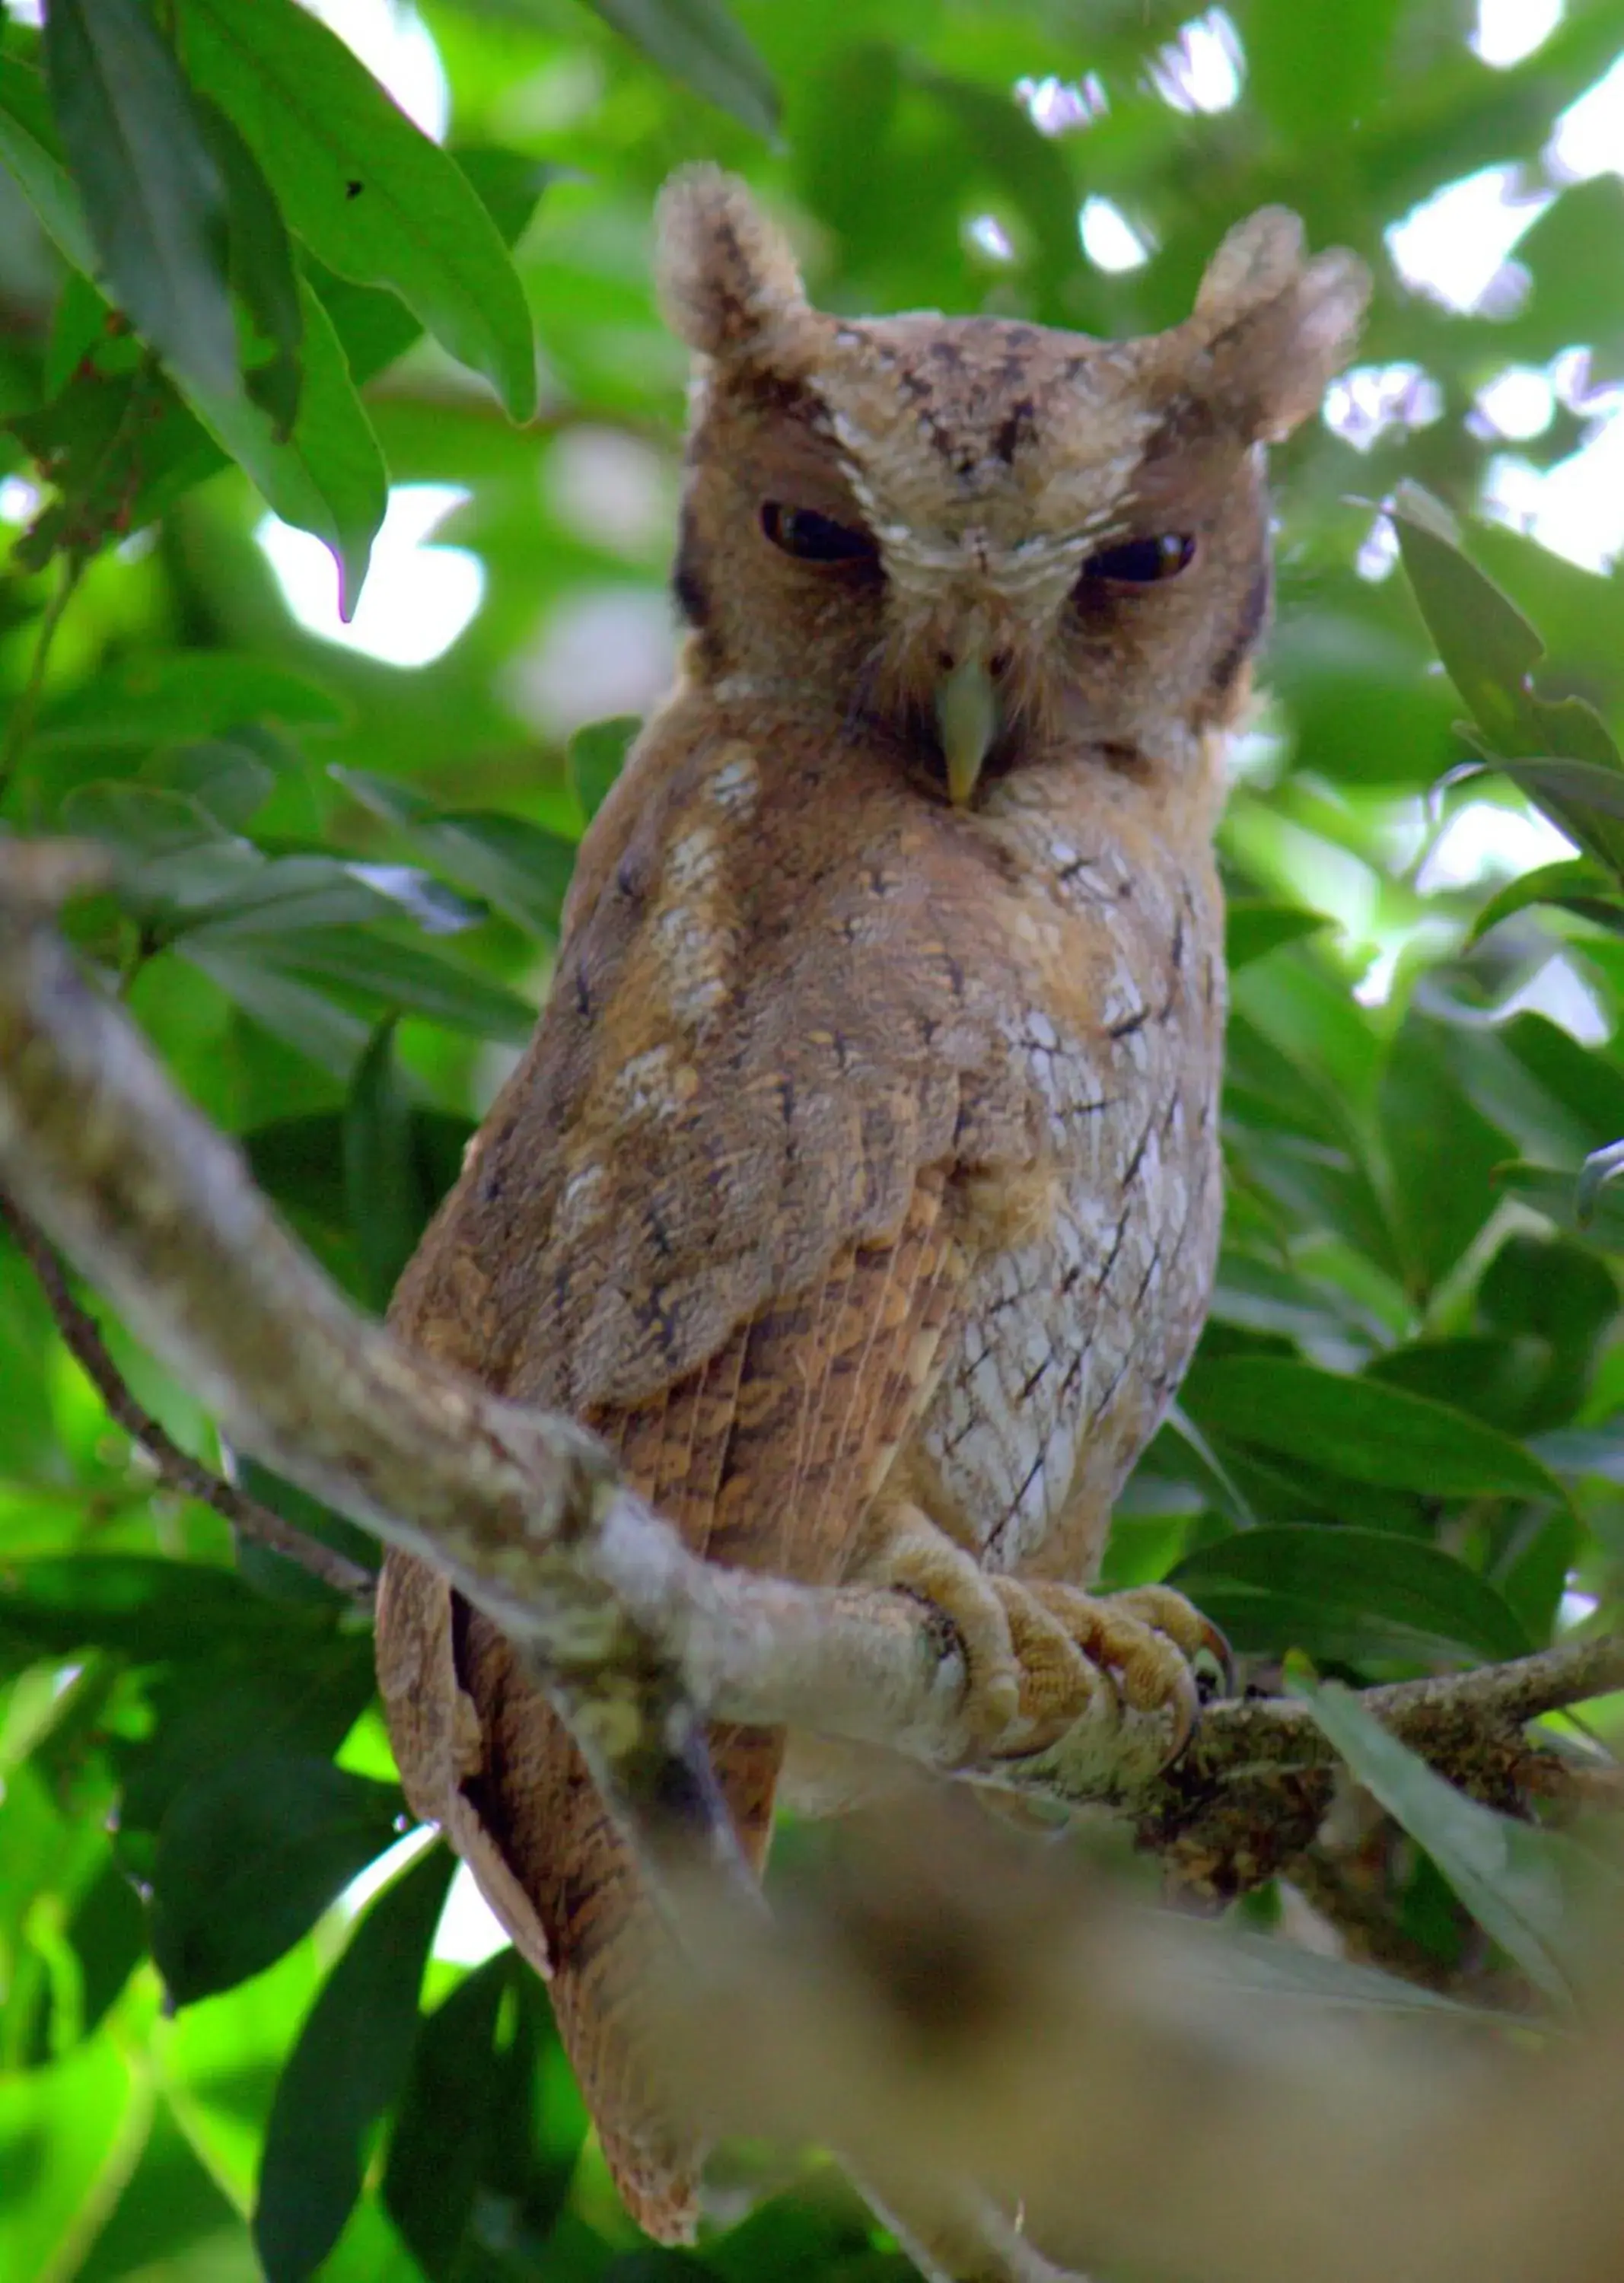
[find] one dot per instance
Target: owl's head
(971, 537)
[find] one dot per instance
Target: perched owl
(860, 1186)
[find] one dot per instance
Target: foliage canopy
(233, 275)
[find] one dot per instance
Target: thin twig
(175, 1467)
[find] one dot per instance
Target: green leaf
(262, 270)
(162, 450)
(328, 476)
(27, 153)
(275, 1575)
(304, 1019)
(699, 42)
(1362, 1428)
(1512, 1878)
(1600, 1169)
(347, 2067)
(139, 820)
(152, 191)
(1008, 150)
(1441, 1153)
(70, 2134)
(283, 895)
(364, 188)
(1577, 886)
(1314, 71)
(1561, 753)
(385, 797)
(249, 1856)
(373, 325)
(227, 778)
(297, 1687)
(1349, 1596)
(162, 697)
(1253, 928)
(595, 755)
(299, 1161)
(139, 1604)
(438, 2147)
(1266, 1968)
(387, 1196)
(520, 868)
(1556, 1194)
(415, 981)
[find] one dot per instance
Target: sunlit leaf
(1579, 886)
(1559, 752)
(90, 2110)
(1253, 928)
(328, 476)
(364, 188)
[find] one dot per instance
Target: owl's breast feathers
(788, 985)
(860, 1137)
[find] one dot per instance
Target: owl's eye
(813, 538)
(1143, 562)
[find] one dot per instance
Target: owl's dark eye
(1143, 562)
(813, 538)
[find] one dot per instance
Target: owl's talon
(921, 1560)
(1126, 1698)
(1207, 1652)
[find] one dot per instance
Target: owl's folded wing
(762, 1457)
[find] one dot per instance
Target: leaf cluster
(234, 277)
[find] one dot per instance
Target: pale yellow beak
(967, 717)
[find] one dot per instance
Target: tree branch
(954, 2004)
(639, 1639)
(1203, 2149)
(176, 1468)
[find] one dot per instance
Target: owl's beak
(967, 719)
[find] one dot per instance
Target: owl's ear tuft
(1273, 328)
(727, 278)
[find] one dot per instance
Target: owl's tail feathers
(484, 1754)
(609, 1952)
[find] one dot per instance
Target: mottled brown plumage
(859, 1186)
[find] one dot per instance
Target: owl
(860, 1188)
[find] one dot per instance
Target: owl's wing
(761, 1457)
(741, 1279)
